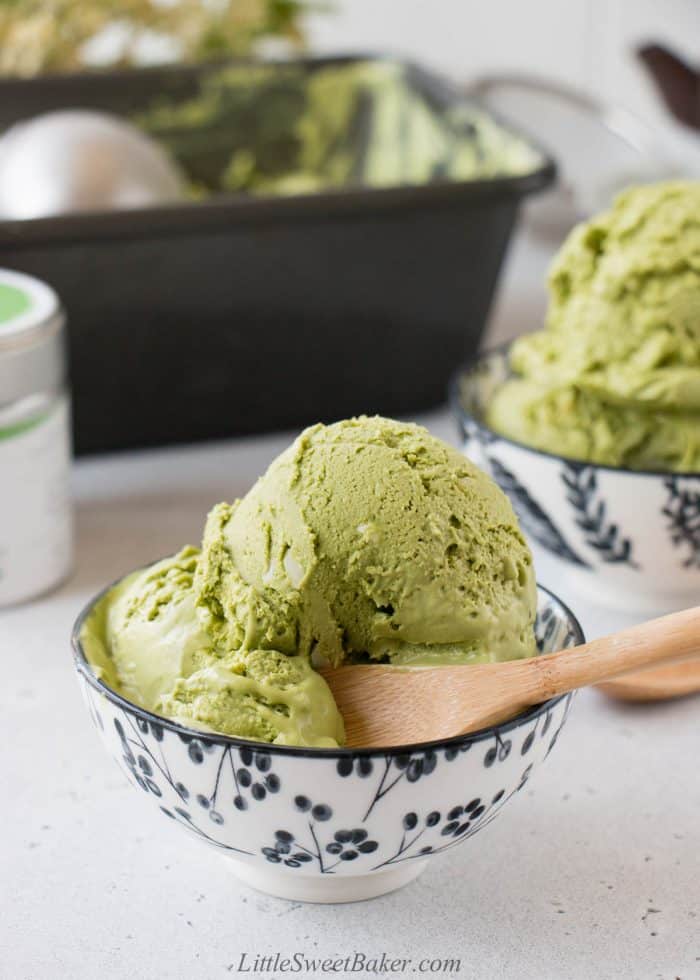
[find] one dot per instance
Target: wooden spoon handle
(674, 637)
(655, 683)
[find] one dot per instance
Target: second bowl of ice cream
(365, 540)
(592, 425)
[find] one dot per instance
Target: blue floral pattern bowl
(624, 538)
(329, 825)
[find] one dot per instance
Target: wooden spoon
(384, 705)
(655, 683)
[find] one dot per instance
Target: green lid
(27, 305)
(13, 302)
(32, 357)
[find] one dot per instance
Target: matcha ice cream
(615, 376)
(146, 641)
(367, 539)
(285, 129)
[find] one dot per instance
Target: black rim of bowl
(84, 669)
(463, 417)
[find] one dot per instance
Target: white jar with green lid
(36, 528)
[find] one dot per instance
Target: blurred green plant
(39, 36)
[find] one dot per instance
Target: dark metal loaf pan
(239, 315)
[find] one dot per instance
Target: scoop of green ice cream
(261, 694)
(152, 631)
(146, 640)
(615, 376)
(370, 538)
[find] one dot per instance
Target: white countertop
(593, 872)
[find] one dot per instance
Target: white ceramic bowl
(329, 825)
(625, 538)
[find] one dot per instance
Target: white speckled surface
(592, 872)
